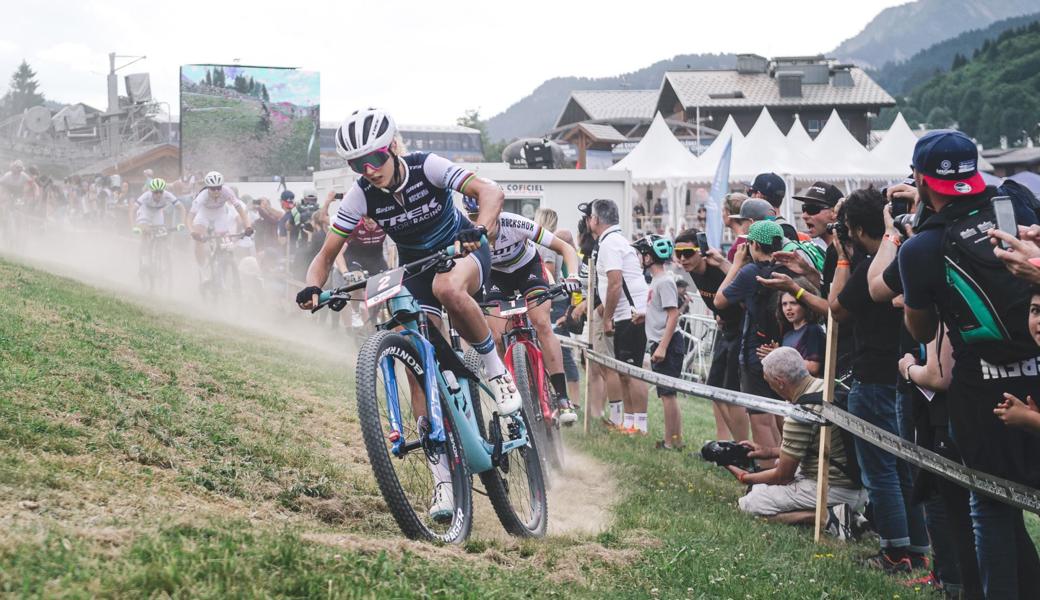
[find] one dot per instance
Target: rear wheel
(407, 480)
(516, 487)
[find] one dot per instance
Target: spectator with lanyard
(516, 267)
(410, 197)
(707, 271)
(621, 285)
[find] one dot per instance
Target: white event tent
(891, 157)
(661, 159)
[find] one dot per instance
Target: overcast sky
(425, 61)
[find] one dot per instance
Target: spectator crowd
(933, 285)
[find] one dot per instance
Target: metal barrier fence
(1006, 491)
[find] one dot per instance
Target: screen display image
(249, 121)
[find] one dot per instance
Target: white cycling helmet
(364, 132)
(214, 179)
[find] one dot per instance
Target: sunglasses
(686, 252)
(373, 159)
(812, 209)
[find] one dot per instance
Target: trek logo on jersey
(413, 215)
(1025, 368)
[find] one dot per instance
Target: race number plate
(382, 288)
(516, 306)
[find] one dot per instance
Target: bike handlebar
(557, 290)
(421, 264)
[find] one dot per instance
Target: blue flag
(719, 189)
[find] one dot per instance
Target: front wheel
(516, 487)
(426, 504)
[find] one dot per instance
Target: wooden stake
(823, 470)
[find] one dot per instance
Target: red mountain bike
(523, 358)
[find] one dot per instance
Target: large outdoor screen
(249, 121)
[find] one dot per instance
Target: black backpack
(987, 305)
(850, 468)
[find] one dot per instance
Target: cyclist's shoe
(567, 415)
(443, 503)
(506, 395)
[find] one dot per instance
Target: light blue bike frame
(476, 450)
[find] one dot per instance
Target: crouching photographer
(787, 493)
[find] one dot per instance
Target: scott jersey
(149, 200)
(204, 201)
(515, 245)
(420, 215)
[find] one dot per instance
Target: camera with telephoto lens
(727, 454)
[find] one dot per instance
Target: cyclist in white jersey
(149, 210)
(516, 267)
(209, 210)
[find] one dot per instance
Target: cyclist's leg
(499, 288)
(454, 290)
(199, 227)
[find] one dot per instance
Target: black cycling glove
(307, 294)
(472, 235)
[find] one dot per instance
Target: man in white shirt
(623, 290)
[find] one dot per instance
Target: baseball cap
(765, 232)
(820, 193)
(755, 209)
(948, 162)
(771, 186)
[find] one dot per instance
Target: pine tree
(209, 77)
(959, 60)
(22, 93)
(263, 92)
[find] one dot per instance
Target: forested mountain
(897, 33)
(899, 78)
(995, 93)
(536, 113)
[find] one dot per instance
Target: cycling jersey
(149, 200)
(514, 246)
(366, 238)
(204, 201)
(15, 185)
(420, 215)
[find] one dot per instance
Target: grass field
(146, 454)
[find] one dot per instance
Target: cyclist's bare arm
(490, 199)
(318, 272)
(243, 220)
(570, 257)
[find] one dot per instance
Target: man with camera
(950, 247)
(707, 267)
(788, 491)
(872, 397)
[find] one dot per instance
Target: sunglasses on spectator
(373, 159)
(812, 209)
(686, 251)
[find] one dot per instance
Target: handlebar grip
(324, 297)
(451, 250)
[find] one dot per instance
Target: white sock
(493, 365)
(440, 470)
(616, 409)
(629, 421)
(641, 421)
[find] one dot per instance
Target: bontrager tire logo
(405, 356)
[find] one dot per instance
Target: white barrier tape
(767, 405)
(1004, 490)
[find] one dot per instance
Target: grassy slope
(142, 453)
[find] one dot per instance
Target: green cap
(764, 232)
